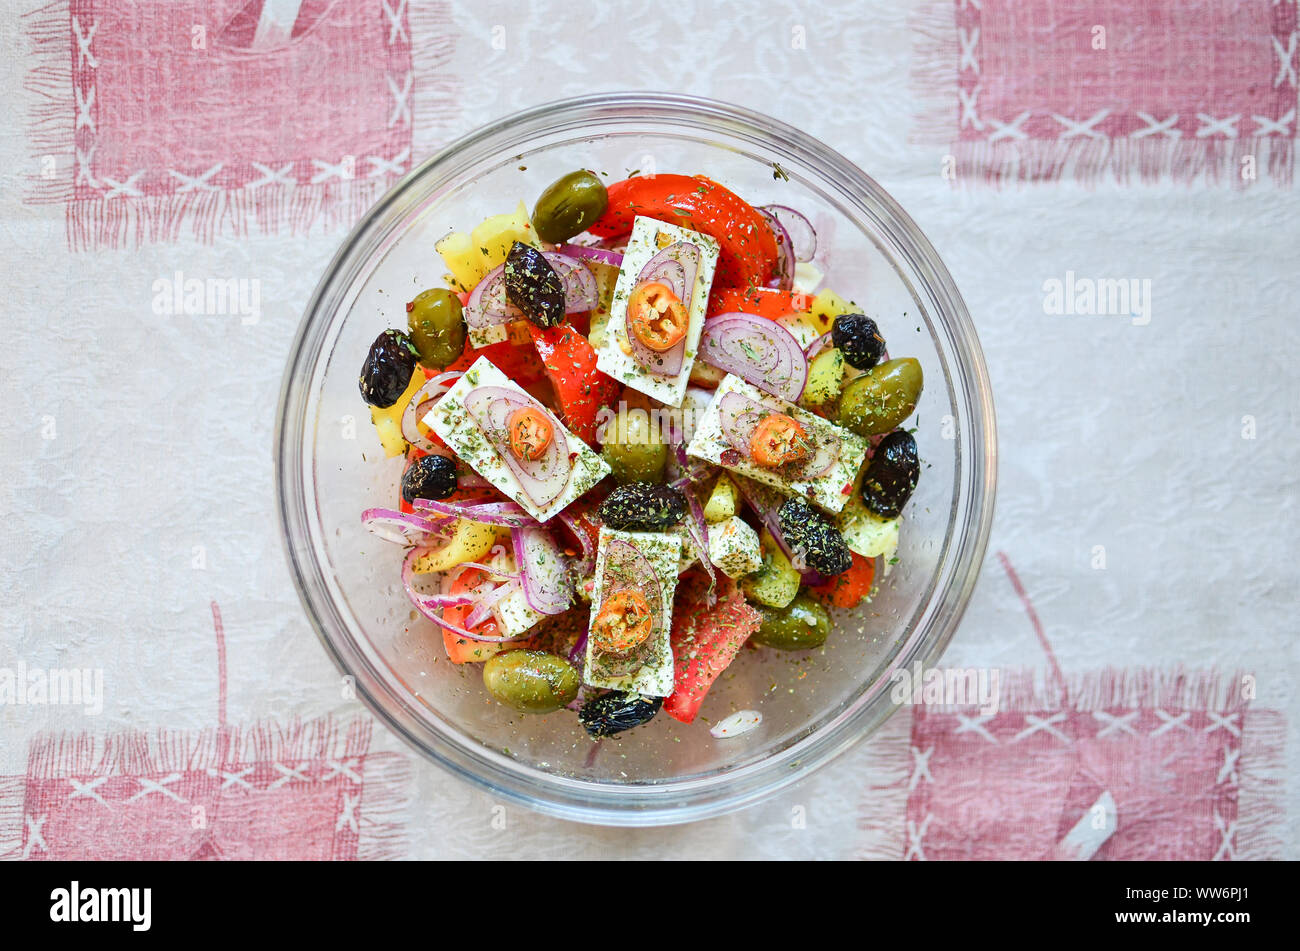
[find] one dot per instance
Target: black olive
(533, 286)
(387, 371)
(814, 539)
(892, 475)
(643, 507)
(858, 338)
(429, 477)
(616, 712)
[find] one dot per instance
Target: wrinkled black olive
(533, 286)
(616, 712)
(858, 338)
(643, 507)
(894, 471)
(429, 477)
(814, 539)
(387, 371)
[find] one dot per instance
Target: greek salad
(640, 439)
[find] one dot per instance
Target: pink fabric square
(1187, 59)
(1170, 88)
(167, 113)
(303, 792)
(1011, 786)
(157, 119)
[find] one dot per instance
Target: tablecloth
(1139, 591)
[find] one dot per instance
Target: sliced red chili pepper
(656, 316)
(530, 433)
(779, 439)
(623, 622)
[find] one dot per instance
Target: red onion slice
(581, 291)
(783, 279)
(758, 350)
(588, 253)
(588, 563)
(699, 532)
(766, 504)
(739, 415)
(503, 514)
(542, 571)
(803, 237)
(402, 528)
(676, 267)
(542, 479)
(818, 345)
(489, 596)
(415, 410)
(487, 305)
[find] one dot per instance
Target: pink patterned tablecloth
(1138, 598)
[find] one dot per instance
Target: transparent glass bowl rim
(671, 801)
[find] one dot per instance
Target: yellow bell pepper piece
(388, 421)
(471, 256)
(470, 541)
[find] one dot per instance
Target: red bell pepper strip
(748, 255)
(705, 640)
(847, 590)
(518, 363)
(581, 390)
(763, 301)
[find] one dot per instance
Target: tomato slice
(762, 301)
(657, 316)
(530, 433)
(779, 439)
(623, 622)
(705, 640)
(748, 254)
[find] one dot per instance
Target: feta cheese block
(623, 561)
(828, 491)
(457, 428)
(615, 355)
(734, 548)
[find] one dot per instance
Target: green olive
(882, 398)
(531, 681)
(801, 625)
(632, 447)
(569, 206)
(437, 326)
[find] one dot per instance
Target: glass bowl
(329, 467)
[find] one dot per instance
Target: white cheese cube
(512, 613)
(649, 237)
(734, 548)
